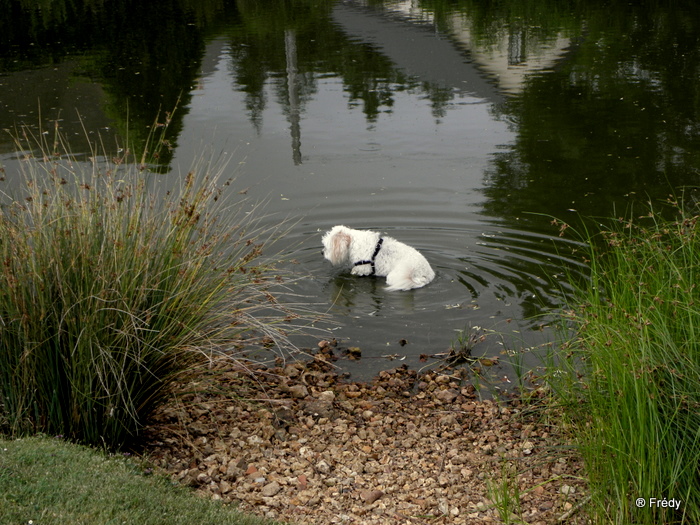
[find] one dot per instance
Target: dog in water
(369, 253)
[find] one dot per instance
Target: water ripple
(488, 275)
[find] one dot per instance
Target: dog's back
(371, 254)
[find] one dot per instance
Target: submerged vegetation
(112, 288)
(635, 394)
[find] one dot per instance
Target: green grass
(112, 288)
(47, 481)
(504, 492)
(634, 395)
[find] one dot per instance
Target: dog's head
(336, 244)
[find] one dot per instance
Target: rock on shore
(297, 444)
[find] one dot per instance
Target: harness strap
(374, 256)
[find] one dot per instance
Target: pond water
(460, 128)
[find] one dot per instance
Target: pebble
(271, 489)
(370, 496)
(299, 391)
(327, 396)
(323, 467)
(446, 396)
(366, 453)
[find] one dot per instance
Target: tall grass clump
(638, 406)
(112, 288)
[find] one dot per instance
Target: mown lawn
(49, 481)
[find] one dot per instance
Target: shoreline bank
(296, 442)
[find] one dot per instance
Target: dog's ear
(340, 243)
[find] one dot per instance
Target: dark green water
(458, 127)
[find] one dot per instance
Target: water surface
(458, 128)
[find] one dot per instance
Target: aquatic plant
(112, 288)
(634, 393)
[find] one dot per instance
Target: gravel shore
(298, 444)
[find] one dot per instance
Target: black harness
(374, 256)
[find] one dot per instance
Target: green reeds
(637, 408)
(111, 289)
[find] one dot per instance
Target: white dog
(371, 254)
